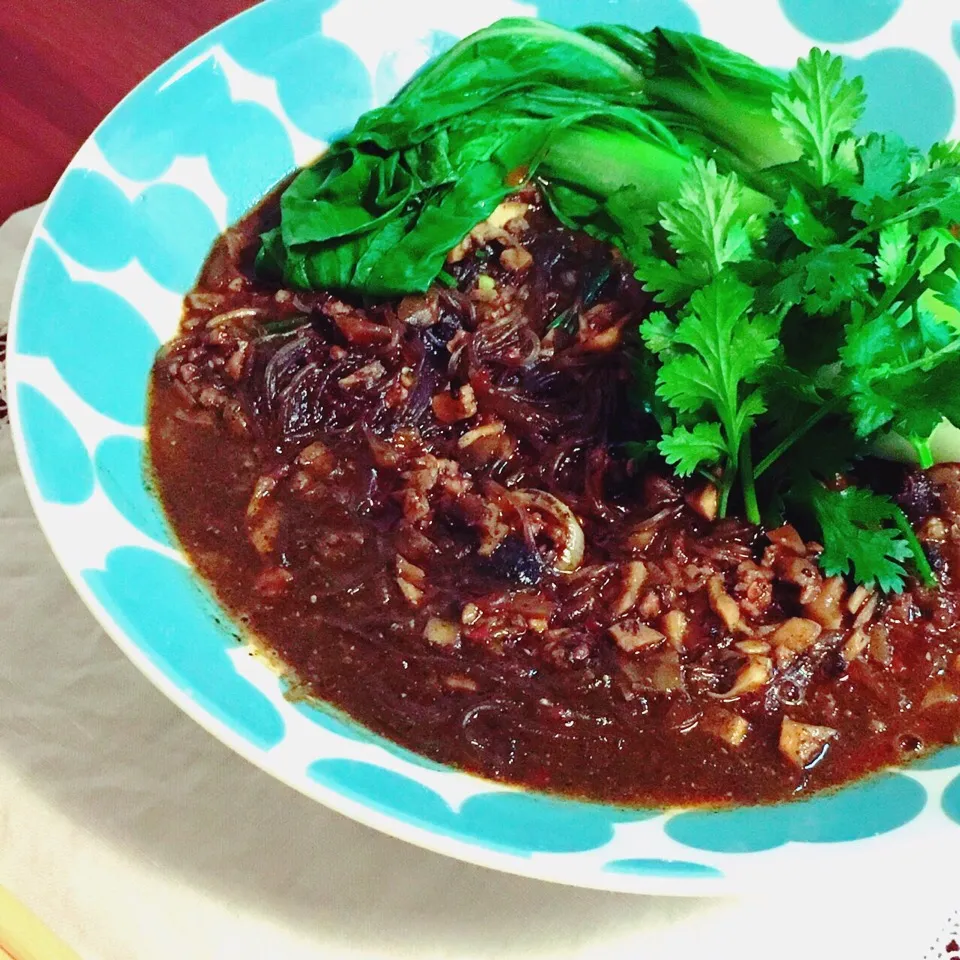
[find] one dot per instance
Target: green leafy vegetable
(379, 212)
(716, 89)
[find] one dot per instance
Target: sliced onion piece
(566, 531)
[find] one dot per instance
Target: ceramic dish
(122, 238)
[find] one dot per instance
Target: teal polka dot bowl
(122, 238)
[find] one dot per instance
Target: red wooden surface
(65, 63)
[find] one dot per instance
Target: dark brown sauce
(409, 577)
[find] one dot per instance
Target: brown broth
(534, 689)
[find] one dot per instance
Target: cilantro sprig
(712, 361)
(858, 538)
(789, 344)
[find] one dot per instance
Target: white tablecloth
(137, 836)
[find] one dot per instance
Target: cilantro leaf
(944, 153)
(658, 332)
(885, 165)
(823, 280)
(857, 537)
(669, 284)
(726, 349)
(686, 449)
(818, 111)
(946, 281)
(709, 219)
(712, 223)
(933, 195)
(803, 223)
(893, 252)
(639, 450)
(898, 371)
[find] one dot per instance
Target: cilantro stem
(725, 495)
(924, 570)
(893, 293)
(923, 451)
(791, 438)
(872, 228)
(922, 362)
(747, 481)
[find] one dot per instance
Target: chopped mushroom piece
(940, 693)
(263, 517)
(787, 537)
(657, 672)
(649, 605)
(756, 673)
(803, 744)
(865, 613)
(506, 211)
(516, 259)
(412, 592)
(881, 650)
(793, 636)
(410, 571)
(724, 606)
(674, 625)
(705, 501)
(858, 598)
(827, 606)
(725, 725)
(470, 614)
(753, 646)
(410, 580)
(317, 458)
(634, 576)
(856, 643)
(934, 530)
(441, 633)
(632, 635)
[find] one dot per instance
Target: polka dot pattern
(829, 21)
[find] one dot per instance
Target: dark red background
(65, 63)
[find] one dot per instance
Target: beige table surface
(137, 836)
